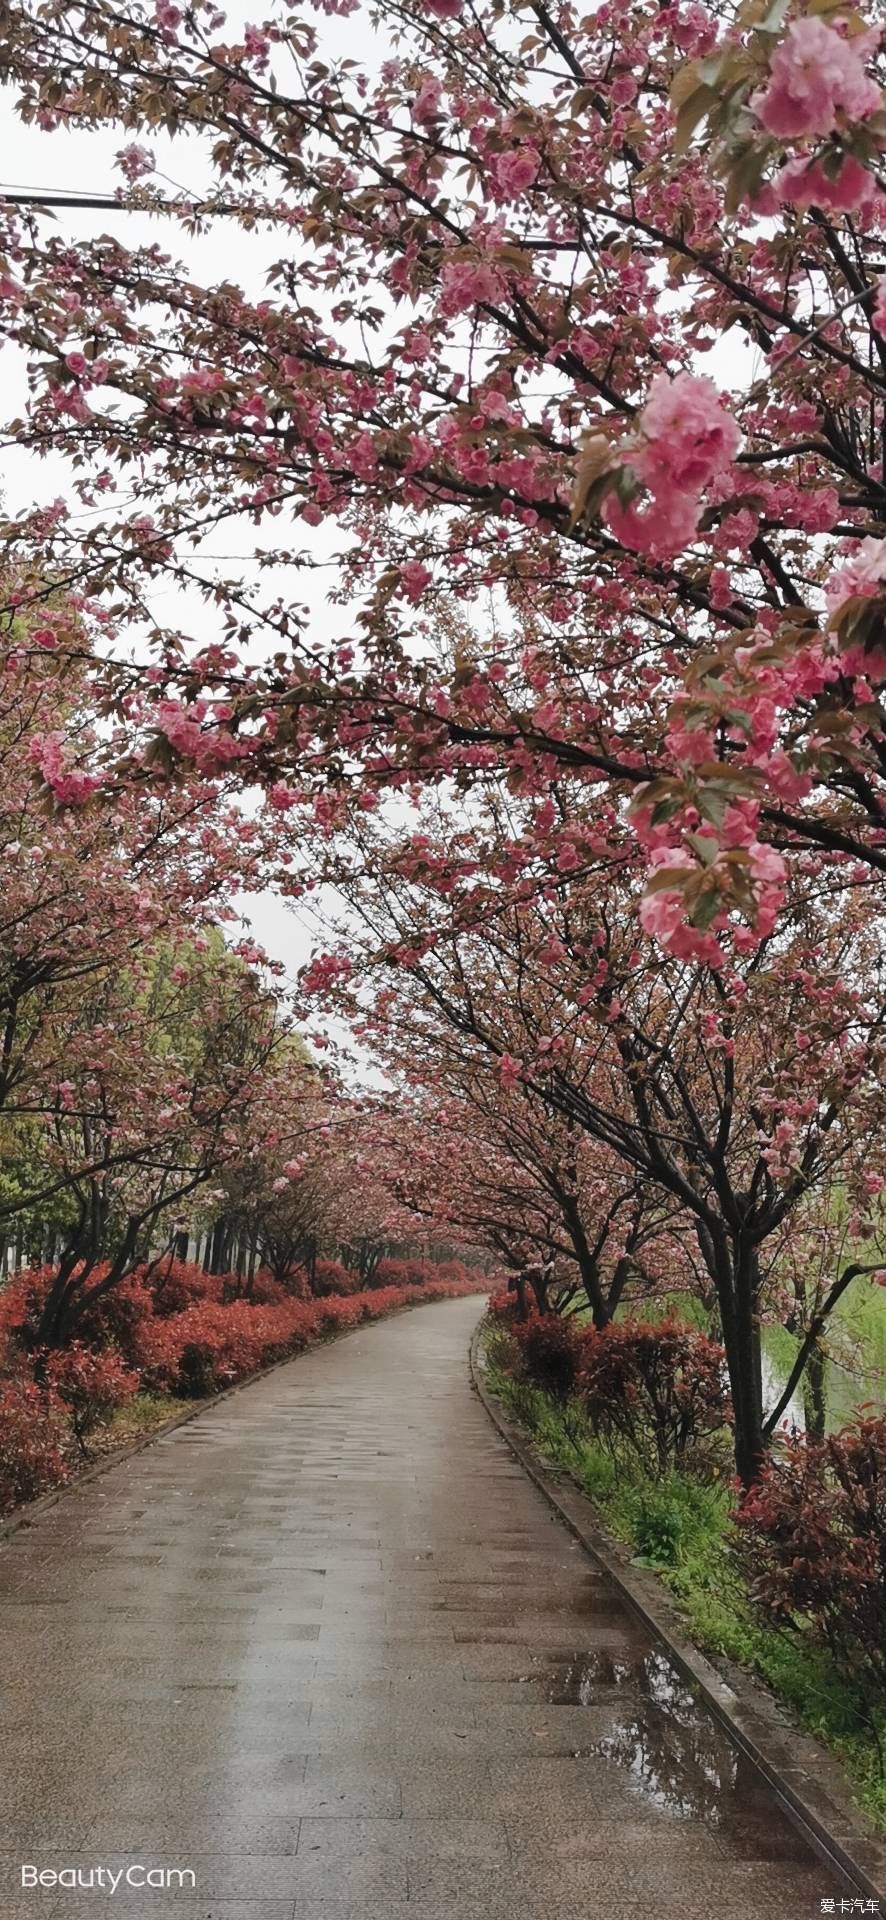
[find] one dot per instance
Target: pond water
(846, 1387)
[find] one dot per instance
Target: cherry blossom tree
(93, 884)
(827, 1243)
(737, 1094)
(316, 1175)
(490, 1161)
(162, 1083)
(504, 255)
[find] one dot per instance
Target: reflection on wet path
(675, 1756)
(328, 1648)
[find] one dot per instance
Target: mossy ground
(139, 1417)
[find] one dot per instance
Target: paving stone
(24, 1908)
(176, 1836)
(448, 1788)
(156, 1906)
(617, 1846)
(25, 1831)
(419, 1908)
(407, 1838)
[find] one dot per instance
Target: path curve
(327, 1649)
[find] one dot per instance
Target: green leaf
(696, 108)
(706, 909)
(706, 846)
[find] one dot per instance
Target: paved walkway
(327, 1648)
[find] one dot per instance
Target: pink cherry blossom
(466, 282)
(879, 307)
(516, 170)
(862, 578)
(815, 73)
(167, 16)
(661, 914)
(257, 45)
(414, 577)
(509, 1070)
(690, 436)
(426, 104)
(281, 796)
(135, 161)
(662, 525)
(693, 29)
(805, 183)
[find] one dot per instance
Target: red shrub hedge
(206, 1347)
(21, 1304)
(400, 1273)
(90, 1384)
(209, 1346)
(330, 1277)
(659, 1388)
(412, 1271)
(812, 1539)
(265, 1291)
(175, 1285)
(550, 1352)
(504, 1307)
(118, 1316)
(339, 1313)
(133, 1336)
(33, 1441)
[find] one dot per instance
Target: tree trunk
(517, 1285)
(218, 1249)
(815, 1395)
(587, 1265)
(620, 1278)
(739, 1308)
(63, 1305)
(538, 1280)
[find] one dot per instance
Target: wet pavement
(327, 1649)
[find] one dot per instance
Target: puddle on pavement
(673, 1752)
(675, 1755)
(581, 1681)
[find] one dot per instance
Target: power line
(53, 197)
(30, 198)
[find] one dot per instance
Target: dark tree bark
(815, 1397)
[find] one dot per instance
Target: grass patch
(140, 1416)
(679, 1527)
(862, 1313)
